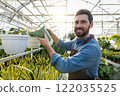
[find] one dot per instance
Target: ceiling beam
(72, 14)
(52, 6)
(95, 5)
(73, 22)
(108, 4)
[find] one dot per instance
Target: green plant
(117, 37)
(18, 30)
(58, 49)
(104, 43)
(23, 68)
(71, 36)
(2, 31)
(113, 56)
(106, 72)
(117, 57)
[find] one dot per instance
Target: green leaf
(23, 68)
(10, 72)
(23, 72)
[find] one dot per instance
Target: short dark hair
(87, 12)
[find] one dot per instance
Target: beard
(85, 32)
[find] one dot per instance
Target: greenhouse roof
(59, 15)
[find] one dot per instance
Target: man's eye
(76, 22)
(83, 22)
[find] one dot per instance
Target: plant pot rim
(13, 35)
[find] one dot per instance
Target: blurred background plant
(116, 39)
(19, 30)
(104, 43)
(106, 72)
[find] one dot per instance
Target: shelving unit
(18, 55)
(113, 63)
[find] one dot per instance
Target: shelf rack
(113, 63)
(18, 55)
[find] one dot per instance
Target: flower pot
(33, 42)
(40, 33)
(14, 44)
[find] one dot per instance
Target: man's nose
(79, 25)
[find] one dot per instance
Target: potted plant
(15, 41)
(33, 42)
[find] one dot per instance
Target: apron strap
(91, 37)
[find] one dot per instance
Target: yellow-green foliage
(23, 68)
(117, 37)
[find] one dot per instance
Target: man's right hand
(54, 37)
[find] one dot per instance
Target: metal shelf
(113, 63)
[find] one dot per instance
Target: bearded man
(85, 54)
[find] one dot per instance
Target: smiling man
(85, 54)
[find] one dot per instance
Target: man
(85, 51)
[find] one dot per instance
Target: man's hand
(44, 41)
(54, 37)
(50, 31)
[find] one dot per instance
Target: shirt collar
(81, 40)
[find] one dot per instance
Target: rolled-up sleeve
(87, 57)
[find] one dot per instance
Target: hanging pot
(14, 44)
(33, 42)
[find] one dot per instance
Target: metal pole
(118, 26)
(18, 55)
(31, 53)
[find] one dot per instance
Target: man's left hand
(44, 41)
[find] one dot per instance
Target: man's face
(82, 25)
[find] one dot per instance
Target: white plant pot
(33, 42)
(14, 44)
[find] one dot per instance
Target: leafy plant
(71, 36)
(18, 30)
(23, 68)
(117, 37)
(104, 43)
(106, 72)
(2, 31)
(113, 56)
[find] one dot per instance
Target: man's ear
(91, 25)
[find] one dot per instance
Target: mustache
(79, 28)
